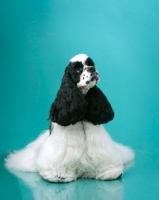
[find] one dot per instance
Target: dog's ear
(69, 106)
(99, 109)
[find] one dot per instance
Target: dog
(77, 144)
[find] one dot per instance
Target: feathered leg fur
(103, 158)
(80, 150)
(24, 159)
(59, 157)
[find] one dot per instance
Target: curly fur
(77, 145)
(99, 110)
(69, 106)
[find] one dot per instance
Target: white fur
(86, 77)
(80, 150)
(79, 58)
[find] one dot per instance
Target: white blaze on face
(88, 79)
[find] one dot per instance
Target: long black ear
(69, 106)
(99, 110)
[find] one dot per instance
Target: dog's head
(78, 97)
(83, 73)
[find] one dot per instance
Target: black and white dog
(77, 145)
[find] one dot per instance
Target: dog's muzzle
(88, 79)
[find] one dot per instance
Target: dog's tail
(127, 153)
(24, 159)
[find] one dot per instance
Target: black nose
(91, 69)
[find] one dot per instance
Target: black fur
(89, 62)
(71, 106)
(99, 110)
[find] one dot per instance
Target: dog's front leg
(102, 158)
(58, 159)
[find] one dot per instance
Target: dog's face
(84, 73)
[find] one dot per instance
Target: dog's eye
(78, 70)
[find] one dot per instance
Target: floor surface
(139, 181)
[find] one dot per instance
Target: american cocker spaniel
(77, 145)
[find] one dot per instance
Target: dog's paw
(110, 174)
(53, 175)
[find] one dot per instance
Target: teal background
(37, 39)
